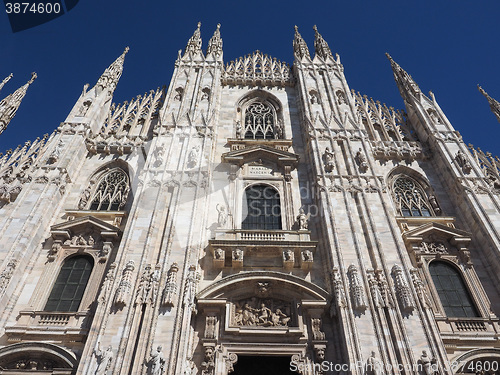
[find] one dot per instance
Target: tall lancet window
(112, 191)
(263, 210)
(411, 199)
(452, 291)
(260, 120)
(67, 292)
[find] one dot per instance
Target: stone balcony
(262, 248)
(455, 330)
(53, 326)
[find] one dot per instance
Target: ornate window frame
(90, 194)
(437, 242)
(278, 187)
(85, 236)
(427, 200)
(268, 100)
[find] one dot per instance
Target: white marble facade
(149, 203)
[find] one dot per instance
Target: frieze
(262, 312)
(397, 150)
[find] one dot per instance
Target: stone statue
(222, 217)
(428, 364)
(157, 361)
(239, 130)
(302, 220)
(105, 358)
(328, 160)
(373, 365)
(219, 254)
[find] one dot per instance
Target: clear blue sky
(447, 46)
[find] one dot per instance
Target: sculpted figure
(157, 361)
(105, 357)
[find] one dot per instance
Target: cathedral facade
(251, 218)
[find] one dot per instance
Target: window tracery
(260, 121)
(410, 197)
(111, 192)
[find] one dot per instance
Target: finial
(6, 79)
(494, 105)
(404, 81)
(321, 46)
(194, 43)
(215, 43)
(33, 77)
(109, 79)
(126, 50)
(10, 104)
(299, 45)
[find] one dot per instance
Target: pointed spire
(404, 81)
(494, 105)
(215, 43)
(299, 45)
(109, 79)
(10, 104)
(320, 45)
(6, 79)
(194, 43)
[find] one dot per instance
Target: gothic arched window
(260, 121)
(452, 290)
(410, 197)
(112, 191)
(263, 210)
(67, 292)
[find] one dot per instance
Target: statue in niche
(328, 160)
(278, 130)
(288, 255)
(341, 97)
(84, 108)
(307, 255)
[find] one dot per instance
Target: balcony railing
(468, 328)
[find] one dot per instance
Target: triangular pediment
(435, 230)
(68, 229)
(257, 152)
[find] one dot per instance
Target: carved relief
(125, 285)
(148, 285)
(210, 326)
(428, 363)
(54, 155)
(340, 97)
(357, 293)
(316, 329)
(258, 312)
(6, 274)
(107, 284)
(170, 290)
(208, 364)
(433, 248)
(422, 294)
(339, 300)
(193, 277)
(377, 299)
(193, 156)
(402, 289)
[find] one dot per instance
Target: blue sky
(447, 46)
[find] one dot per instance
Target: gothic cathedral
(251, 218)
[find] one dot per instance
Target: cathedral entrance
(262, 365)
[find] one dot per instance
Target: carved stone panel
(262, 312)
